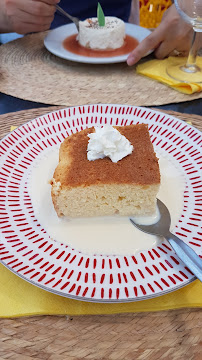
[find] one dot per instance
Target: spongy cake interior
(91, 188)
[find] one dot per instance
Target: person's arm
(25, 16)
(171, 35)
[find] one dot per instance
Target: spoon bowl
(183, 251)
(161, 226)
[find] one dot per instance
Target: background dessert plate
(54, 43)
(27, 249)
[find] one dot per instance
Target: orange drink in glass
(151, 12)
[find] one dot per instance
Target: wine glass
(191, 12)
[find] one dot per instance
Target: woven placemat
(170, 335)
(167, 335)
(29, 71)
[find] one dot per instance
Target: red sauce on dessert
(72, 45)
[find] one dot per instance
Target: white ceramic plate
(54, 40)
(27, 249)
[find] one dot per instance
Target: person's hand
(25, 16)
(172, 37)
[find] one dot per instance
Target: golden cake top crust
(140, 168)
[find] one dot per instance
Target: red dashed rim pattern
(27, 250)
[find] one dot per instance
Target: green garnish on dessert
(100, 15)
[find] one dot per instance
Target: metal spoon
(183, 251)
(72, 18)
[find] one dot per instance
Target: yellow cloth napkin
(156, 69)
(13, 128)
(19, 298)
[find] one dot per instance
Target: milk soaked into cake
(110, 36)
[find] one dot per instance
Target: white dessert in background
(109, 36)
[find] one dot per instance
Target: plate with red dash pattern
(27, 249)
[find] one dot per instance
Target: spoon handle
(186, 254)
(72, 18)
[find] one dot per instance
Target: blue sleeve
(88, 8)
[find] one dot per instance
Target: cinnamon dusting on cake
(141, 167)
(95, 25)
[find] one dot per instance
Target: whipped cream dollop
(108, 141)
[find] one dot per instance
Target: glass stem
(191, 66)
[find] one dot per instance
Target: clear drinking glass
(191, 12)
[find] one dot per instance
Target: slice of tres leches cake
(106, 171)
